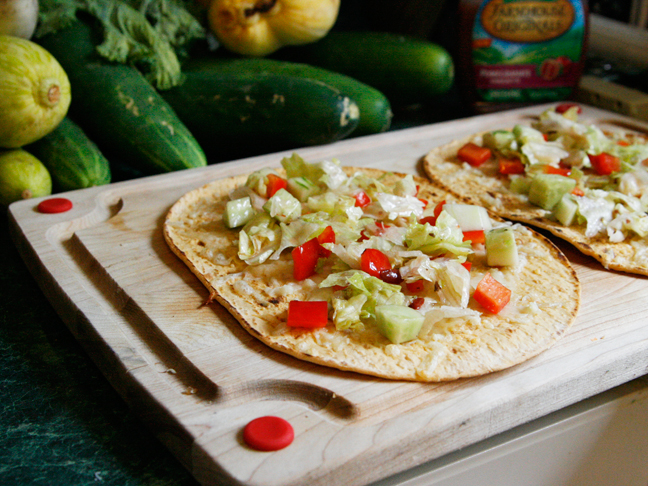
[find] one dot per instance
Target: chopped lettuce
(396, 206)
(283, 206)
(357, 282)
(406, 186)
(596, 209)
(444, 237)
(296, 233)
(327, 172)
(258, 181)
(258, 239)
(348, 313)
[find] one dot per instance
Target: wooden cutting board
(196, 378)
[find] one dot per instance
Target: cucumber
(501, 248)
(238, 212)
(235, 114)
(73, 160)
(405, 69)
(546, 190)
(469, 217)
(398, 323)
(118, 108)
(375, 110)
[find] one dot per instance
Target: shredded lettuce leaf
(258, 239)
(396, 206)
(150, 34)
(444, 237)
(358, 282)
(348, 313)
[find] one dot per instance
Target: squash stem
(49, 92)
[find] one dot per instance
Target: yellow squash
(34, 92)
(260, 27)
(22, 176)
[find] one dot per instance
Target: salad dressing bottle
(515, 53)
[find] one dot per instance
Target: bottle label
(527, 50)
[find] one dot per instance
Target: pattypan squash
(260, 27)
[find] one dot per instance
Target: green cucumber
(235, 114)
(375, 110)
(73, 160)
(546, 190)
(469, 217)
(405, 69)
(238, 212)
(118, 108)
(398, 323)
(501, 248)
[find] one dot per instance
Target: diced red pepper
(363, 236)
(305, 259)
(476, 237)
(326, 236)
(550, 169)
(623, 143)
(438, 208)
(474, 154)
(307, 314)
(374, 262)
(577, 191)
(467, 265)
(605, 164)
(416, 287)
(424, 201)
(362, 199)
(417, 303)
(510, 166)
(274, 184)
(491, 294)
(432, 219)
(563, 107)
(429, 220)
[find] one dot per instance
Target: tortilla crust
(486, 187)
(543, 306)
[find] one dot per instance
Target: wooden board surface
(197, 378)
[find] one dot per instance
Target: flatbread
(545, 301)
(485, 186)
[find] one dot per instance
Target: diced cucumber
(547, 189)
(498, 139)
(238, 212)
(566, 209)
(301, 188)
(469, 217)
(520, 184)
(283, 206)
(398, 323)
(501, 249)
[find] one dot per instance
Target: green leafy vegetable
(147, 33)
